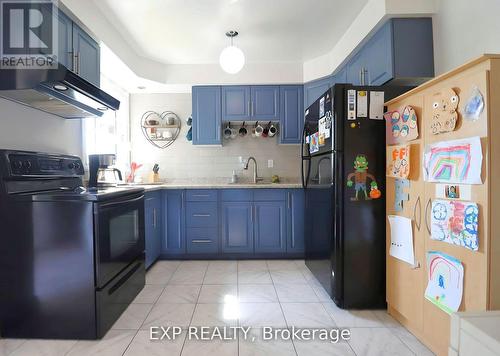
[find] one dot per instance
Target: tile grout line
(152, 307)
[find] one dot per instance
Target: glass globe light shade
(232, 59)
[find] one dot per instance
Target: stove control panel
(38, 164)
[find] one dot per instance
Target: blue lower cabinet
(174, 241)
(153, 226)
(295, 223)
(270, 226)
(201, 240)
(201, 214)
(237, 227)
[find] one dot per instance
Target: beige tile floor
(279, 293)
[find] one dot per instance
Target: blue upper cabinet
(355, 69)
(378, 57)
(313, 90)
(270, 226)
(236, 102)
(237, 227)
(265, 102)
(340, 76)
(206, 113)
(65, 40)
(174, 241)
(87, 56)
(291, 113)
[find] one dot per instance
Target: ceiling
(192, 31)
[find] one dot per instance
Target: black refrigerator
(343, 175)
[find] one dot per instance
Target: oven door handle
(120, 202)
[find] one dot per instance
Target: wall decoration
(161, 130)
(444, 114)
(455, 222)
(401, 239)
(454, 191)
(457, 161)
(446, 281)
(398, 161)
(359, 178)
(474, 105)
(401, 125)
(399, 195)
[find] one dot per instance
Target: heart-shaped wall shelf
(161, 130)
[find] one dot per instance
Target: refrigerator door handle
(426, 216)
(419, 224)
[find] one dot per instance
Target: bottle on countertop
(234, 177)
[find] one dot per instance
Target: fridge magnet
(359, 179)
(401, 125)
(455, 222)
(457, 161)
(445, 281)
(399, 195)
(376, 105)
(444, 114)
(362, 100)
(474, 105)
(322, 107)
(351, 104)
(314, 143)
(398, 161)
(454, 191)
(401, 239)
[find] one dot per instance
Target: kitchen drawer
(201, 195)
(202, 240)
(269, 195)
(237, 195)
(201, 214)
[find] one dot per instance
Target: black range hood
(56, 91)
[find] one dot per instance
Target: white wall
(24, 128)
(463, 30)
(183, 160)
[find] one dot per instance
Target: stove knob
(77, 165)
(71, 165)
(27, 164)
(18, 164)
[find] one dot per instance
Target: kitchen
(167, 177)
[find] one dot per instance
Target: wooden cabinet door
(236, 102)
(476, 266)
(237, 227)
(270, 226)
(207, 119)
(406, 284)
(291, 113)
(265, 102)
(88, 56)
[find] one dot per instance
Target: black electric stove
(71, 259)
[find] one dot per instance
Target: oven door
(119, 235)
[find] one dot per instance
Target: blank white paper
(401, 239)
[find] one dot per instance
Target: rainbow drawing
(446, 278)
(456, 161)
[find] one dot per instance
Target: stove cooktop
(85, 194)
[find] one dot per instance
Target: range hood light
(102, 108)
(60, 87)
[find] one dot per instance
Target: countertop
(216, 184)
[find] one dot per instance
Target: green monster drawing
(360, 176)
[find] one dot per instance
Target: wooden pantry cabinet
(406, 284)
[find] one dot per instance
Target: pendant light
(232, 58)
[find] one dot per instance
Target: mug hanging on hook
(265, 133)
(227, 131)
(258, 130)
(273, 130)
(243, 130)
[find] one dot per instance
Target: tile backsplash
(183, 160)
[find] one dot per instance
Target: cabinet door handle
(289, 200)
(252, 106)
(419, 223)
(426, 215)
(182, 200)
(361, 77)
(201, 215)
(154, 218)
(251, 214)
(249, 109)
(77, 62)
(201, 195)
(366, 75)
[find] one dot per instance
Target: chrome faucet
(256, 178)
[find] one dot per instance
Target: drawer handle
(201, 195)
(201, 215)
(201, 241)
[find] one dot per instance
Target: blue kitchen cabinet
(265, 102)
(295, 223)
(174, 238)
(340, 76)
(202, 221)
(313, 90)
(237, 226)
(153, 226)
(65, 40)
(270, 226)
(87, 56)
(291, 113)
(236, 102)
(356, 68)
(378, 57)
(206, 114)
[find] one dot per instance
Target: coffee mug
(167, 135)
(228, 132)
(170, 120)
(273, 130)
(258, 130)
(243, 130)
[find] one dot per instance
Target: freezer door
(319, 125)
